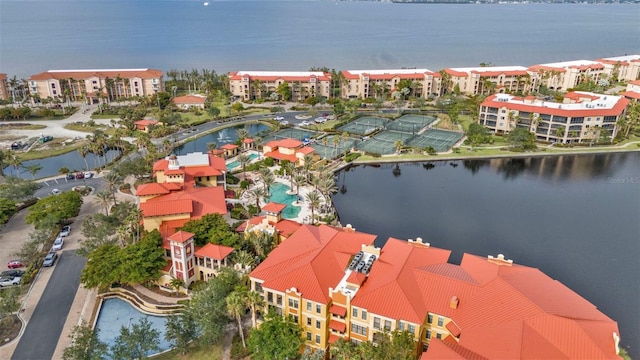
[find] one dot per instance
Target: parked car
(55, 191)
(279, 118)
(66, 230)
(320, 119)
(11, 273)
(58, 244)
(50, 259)
(14, 264)
(305, 123)
(284, 123)
(9, 281)
(88, 175)
(80, 176)
(70, 177)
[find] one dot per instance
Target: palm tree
(258, 192)
(268, 180)
(242, 134)
(398, 145)
(559, 133)
(314, 200)
(299, 179)
(212, 146)
(112, 179)
(244, 160)
(243, 258)
(15, 161)
(33, 169)
(105, 200)
(235, 308)
(254, 300)
(307, 164)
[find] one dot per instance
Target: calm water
(573, 217)
(221, 137)
(71, 160)
(297, 35)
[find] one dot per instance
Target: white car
(88, 175)
(8, 281)
(279, 118)
(284, 122)
(66, 230)
(320, 119)
(305, 123)
(55, 191)
(58, 244)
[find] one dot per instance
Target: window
(428, 334)
(577, 120)
(387, 325)
(440, 321)
(308, 336)
(411, 329)
(294, 318)
(401, 325)
(293, 303)
(364, 315)
(358, 329)
(317, 339)
(438, 335)
(430, 319)
(279, 299)
(308, 321)
(317, 324)
(376, 323)
(355, 312)
(308, 305)
(318, 308)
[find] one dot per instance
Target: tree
(142, 261)
(284, 91)
(105, 201)
(244, 160)
(85, 344)
(238, 107)
(478, 134)
(277, 338)
(112, 179)
(314, 199)
(7, 209)
(521, 139)
(60, 207)
(180, 330)
(103, 266)
(33, 169)
(236, 307)
(136, 343)
(212, 228)
(255, 301)
(398, 144)
(309, 354)
(9, 303)
(18, 189)
(213, 111)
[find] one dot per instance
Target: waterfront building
(622, 68)
(485, 80)
(336, 285)
(187, 102)
(187, 187)
(94, 86)
(563, 76)
(633, 90)
(251, 85)
(581, 117)
(362, 84)
(4, 87)
(270, 223)
(287, 149)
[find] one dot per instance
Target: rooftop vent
(500, 260)
(454, 302)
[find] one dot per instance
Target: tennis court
(333, 149)
(293, 133)
(364, 126)
(377, 146)
(440, 140)
(410, 123)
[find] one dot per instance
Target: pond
(225, 136)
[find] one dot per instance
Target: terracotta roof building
(189, 101)
(622, 68)
(250, 85)
(565, 75)
(484, 80)
(362, 84)
(287, 149)
(633, 90)
(4, 87)
(144, 125)
(97, 85)
(581, 117)
(336, 284)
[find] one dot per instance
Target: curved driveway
(43, 330)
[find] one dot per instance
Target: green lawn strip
(89, 129)
(22, 127)
(50, 152)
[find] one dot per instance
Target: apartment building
(336, 284)
(96, 85)
(250, 85)
(486, 80)
(633, 90)
(581, 117)
(562, 76)
(4, 87)
(622, 68)
(362, 84)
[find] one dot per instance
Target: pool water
(116, 313)
(234, 164)
(279, 195)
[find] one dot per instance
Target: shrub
(232, 180)
(351, 156)
(244, 184)
(268, 162)
(237, 351)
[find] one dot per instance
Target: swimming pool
(279, 195)
(234, 164)
(115, 313)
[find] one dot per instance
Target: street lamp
(157, 97)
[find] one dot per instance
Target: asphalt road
(43, 330)
(62, 184)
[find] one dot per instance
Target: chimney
(454, 302)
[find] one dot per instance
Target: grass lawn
(54, 148)
(90, 129)
(196, 352)
(22, 127)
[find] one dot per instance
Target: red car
(80, 176)
(14, 264)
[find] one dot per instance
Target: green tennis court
(410, 123)
(440, 140)
(364, 126)
(293, 133)
(334, 147)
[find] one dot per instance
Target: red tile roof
(213, 251)
(337, 325)
(229, 146)
(287, 227)
(189, 99)
(107, 73)
(356, 278)
(616, 110)
(151, 189)
(307, 261)
(273, 207)
(280, 156)
(247, 141)
(145, 122)
(169, 228)
(289, 143)
(157, 207)
(338, 310)
(631, 94)
(181, 236)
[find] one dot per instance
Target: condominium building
(4, 87)
(581, 117)
(362, 84)
(562, 76)
(250, 85)
(633, 90)
(486, 80)
(96, 85)
(622, 68)
(337, 285)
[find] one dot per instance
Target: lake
(71, 160)
(224, 136)
(573, 217)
